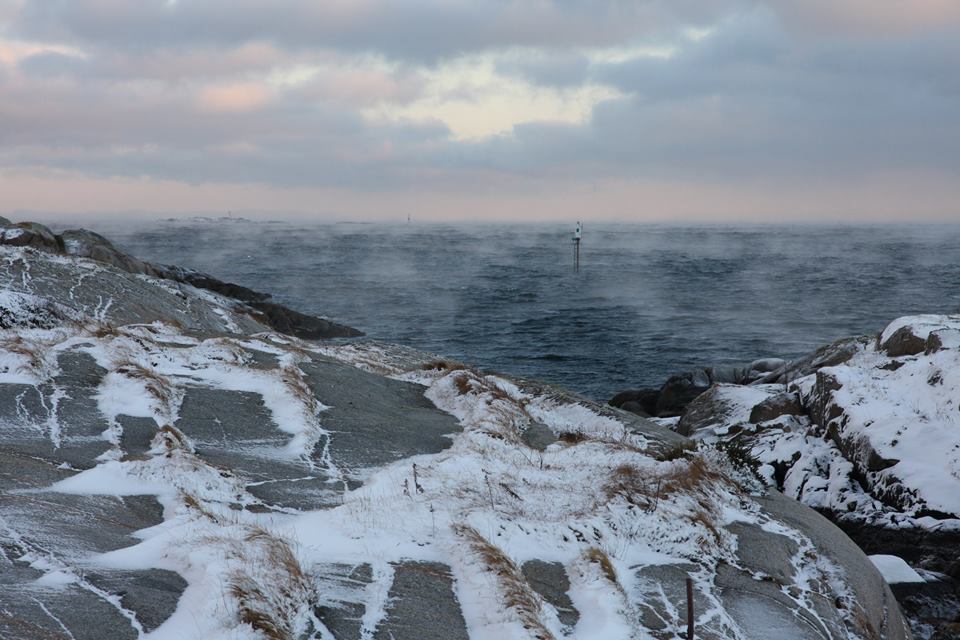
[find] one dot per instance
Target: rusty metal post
(689, 608)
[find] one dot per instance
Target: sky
(532, 110)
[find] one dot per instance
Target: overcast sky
(838, 110)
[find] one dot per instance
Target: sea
(648, 301)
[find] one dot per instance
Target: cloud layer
(496, 108)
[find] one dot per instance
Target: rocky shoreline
(173, 466)
(865, 430)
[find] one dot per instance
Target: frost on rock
(201, 445)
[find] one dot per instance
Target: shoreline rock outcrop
(83, 243)
(170, 464)
(867, 431)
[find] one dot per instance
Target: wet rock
(549, 579)
(422, 605)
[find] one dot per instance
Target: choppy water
(649, 301)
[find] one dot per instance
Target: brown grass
(600, 558)
(572, 437)
(514, 589)
(643, 487)
(266, 602)
(156, 385)
(192, 503)
(103, 330)
(703, 518)
(676, 452)
(172, 438)
(296, 381)
(19, 346)
(464, 383)
(437, 365)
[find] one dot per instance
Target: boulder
(679, 391)
(644, 400)
(903, 342)
(775, 406)
(830, 355)
(722, 405)
(31, 234)
(942, 339)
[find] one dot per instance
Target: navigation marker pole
(576, 247)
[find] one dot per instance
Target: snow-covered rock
(868, 433)
(895, 570)
(172, 468)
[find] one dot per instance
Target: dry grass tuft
(438, 365)
(103, 330)
(191, 502)
(676, 452)
(600, 558)
(464, 383)
(272, 587)
(645, 488)
(572, 437)
(514, 589)
(703, 518)
(30, 351)
(298, 385)
(170, 439)
(156, 385)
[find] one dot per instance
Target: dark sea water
(649, 301)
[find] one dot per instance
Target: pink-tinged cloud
(881, 17)
(239, 97)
